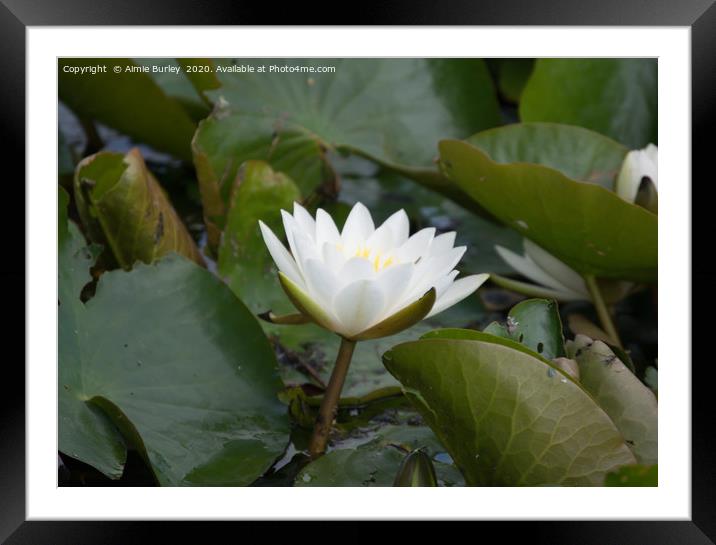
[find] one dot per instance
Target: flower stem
(329, 405)
(603, 313)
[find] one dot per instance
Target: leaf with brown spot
(124, 208)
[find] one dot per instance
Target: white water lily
(553, 278)
(637, 165)
(366, 282)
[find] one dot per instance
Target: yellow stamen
(376, 263)
(366, 253)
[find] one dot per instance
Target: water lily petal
(393, 281)
(354, 269)
(442, 243)
(306, 305)
(459, 290)
(399, 224)
(326, 230)
(380, 241)
(359, 226)
(290, 227)
(417, 245)
(357, 306)
(280, 254)
(321, 282)
(442, 285)
(332, 257)
(304, 220)
(555, 267)
(429, 271)
(305, 249)
(434, 267)
(402, 319)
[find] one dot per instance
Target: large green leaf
(630, 404)
(176, 362)
(85, 432)
(507, 417)
(123, 206)
(536, 324)
(616, 97)
(587, 226)
(578, 153)
(129, 101)
(392, 111)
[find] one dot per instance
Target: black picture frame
(16, 15)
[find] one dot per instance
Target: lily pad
(630, 404)
(507, 417)
(578, 153)
(129, 101)
(391, 111)
(375, 457)
(616, 97)
(155, 353)
(352, 467)
(122, 206)
(585, 225)
(85, 432)
(536, 324)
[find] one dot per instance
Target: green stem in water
(605, 317)
(329, 405)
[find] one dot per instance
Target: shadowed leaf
(128, 100)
